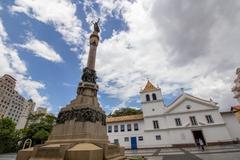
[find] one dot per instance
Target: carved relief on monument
(89, 75)
(82, 115)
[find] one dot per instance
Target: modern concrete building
(36, 115)
(188, 118)
(236, 87)
(41, 110)
(12, 104)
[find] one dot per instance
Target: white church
(182, 122)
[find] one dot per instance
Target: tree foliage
(39, 129)
(9, 136)
(125, 112)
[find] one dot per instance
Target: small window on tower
(147, 97)
(154, 97)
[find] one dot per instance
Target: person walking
(200, 141)
(197, 143)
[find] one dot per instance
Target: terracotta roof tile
(125, 118)
(237, 107)
(149, 87)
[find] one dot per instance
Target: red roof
(237, 107)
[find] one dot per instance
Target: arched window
(154, 97)
(147, 97)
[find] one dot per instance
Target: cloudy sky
(174, 43)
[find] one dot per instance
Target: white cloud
(12, 64)
(175, 44)
(41, 49)
(59, 13)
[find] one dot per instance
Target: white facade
(232, 124)
(188, 118)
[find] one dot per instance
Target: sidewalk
(221, 152)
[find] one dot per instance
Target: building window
(188, 107)
(109, 129)
(193, 120)
(140, 138)
(122, 128)
(154, 97)
(155, 124)
(135, 127)
(178, 122)
(209, 119)
(129, 128)
(116, 128)
(115, 141)
(158, 137)
(147, 97)
(126, 139)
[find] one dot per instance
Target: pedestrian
(200, 141)
(197, 143)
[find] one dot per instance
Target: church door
(133, 143)
(198, 134)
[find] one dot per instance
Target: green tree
(41, 135)
(39, 129)
(9, 136)
(125, 112)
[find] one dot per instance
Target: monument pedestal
(80, 132)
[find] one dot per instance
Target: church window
(188, 107)
(122, 127)
(109, 129)
(155, 124)
(116, 141)
(116, 128)
(178, 122)
(154, 97)
(140, 138)
(147, 97)
(135, 127)
(209, 119)
(126, 139)
(158, 137)
(129, 128)
(193, 120)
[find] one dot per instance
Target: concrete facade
(180, 123)
(236, 87)
(12, 104)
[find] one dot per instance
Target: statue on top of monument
(96, 27)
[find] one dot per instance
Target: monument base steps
(73, 151)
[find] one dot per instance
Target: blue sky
(44, 45)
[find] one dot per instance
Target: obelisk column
(94, 38)
(89, 74)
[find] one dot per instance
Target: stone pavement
(223, 152)
(9, 156)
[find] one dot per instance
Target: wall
(121, 135)
(232, 124)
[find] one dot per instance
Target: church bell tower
(151, 100)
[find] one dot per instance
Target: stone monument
(80, 132)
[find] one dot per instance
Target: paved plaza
(226, 152)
